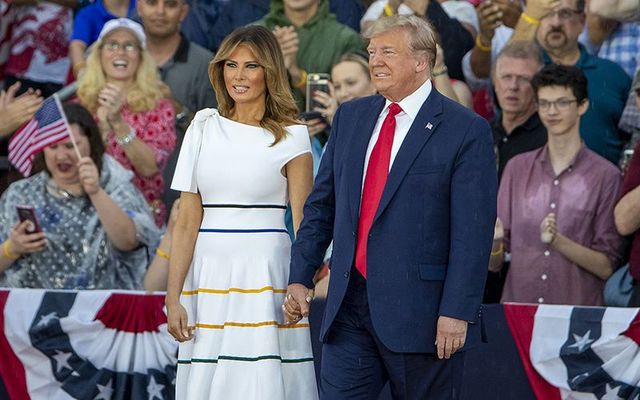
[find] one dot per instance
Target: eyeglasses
(129, 47)
(560, 104)
(564, 14)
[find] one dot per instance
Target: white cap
(125, 23)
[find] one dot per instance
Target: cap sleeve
(298, 142)
(184, 177)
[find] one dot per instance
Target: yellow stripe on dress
(234, 290)
(250, 325)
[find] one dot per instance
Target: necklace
(59, 193)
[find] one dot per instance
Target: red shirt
(156, 128)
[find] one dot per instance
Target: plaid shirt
(622, 46)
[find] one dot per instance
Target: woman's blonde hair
(147, 87)
(280, 108)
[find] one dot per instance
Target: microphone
(67, 91)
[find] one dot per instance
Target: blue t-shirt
(90, 20)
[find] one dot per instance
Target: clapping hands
(15, 111)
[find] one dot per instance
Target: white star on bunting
(45, 319)
(106, 391)
(582, 341)
(154, 389)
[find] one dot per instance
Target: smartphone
(28, 213)
(316, 82)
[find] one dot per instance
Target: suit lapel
(363, 129)
(423, 127)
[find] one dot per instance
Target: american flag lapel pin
(429, 125)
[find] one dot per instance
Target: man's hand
(538, 9)
(296, 303)
(288, 40)
(14, 111)
(450, 336)
(490, 17)
(548, 229)
(419, 7)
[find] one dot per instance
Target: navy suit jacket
(429, 244)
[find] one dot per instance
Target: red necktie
(374, 181)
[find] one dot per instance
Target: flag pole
(66, 124)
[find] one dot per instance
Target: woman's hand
(22, 242)
(177, 322)
(111, 98)
(14, 111)
(315, 126)
(328, 101)
(89, 176)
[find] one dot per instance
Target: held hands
(450, 336)
(177, 322)
(89, 176)
(22, 242)
(288, 40)
(296, 303)
(548, 229)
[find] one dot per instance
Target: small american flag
(48, 126)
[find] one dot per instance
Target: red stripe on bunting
(633, 332)
(520, 319)
(133, 312)
(11, 369)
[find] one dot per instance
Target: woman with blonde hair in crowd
(238, 168)
(121, 86)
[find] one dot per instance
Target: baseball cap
(124, 23)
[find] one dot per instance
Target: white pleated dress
(237, 280)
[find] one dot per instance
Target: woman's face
(244, 77)
(351, 81)
(61, 158)
(120, 56)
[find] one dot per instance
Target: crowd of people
(237, 107)
(568, 209)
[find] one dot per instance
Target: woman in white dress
(238, 168)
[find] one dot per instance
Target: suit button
(346, 274)
(353, 233)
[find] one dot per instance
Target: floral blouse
(156, 128)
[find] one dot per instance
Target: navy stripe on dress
(278, 206)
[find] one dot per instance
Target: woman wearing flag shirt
(96, 226)
(122, 88)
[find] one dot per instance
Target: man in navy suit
(407, 191)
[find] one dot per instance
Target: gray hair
(423, 35)
(524, 50)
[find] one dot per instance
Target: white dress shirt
(410, 107)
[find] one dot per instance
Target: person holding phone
(90, 226)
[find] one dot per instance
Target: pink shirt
(583, 197)
(156, 128)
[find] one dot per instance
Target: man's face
(395, 70)
(162, 18)
(559, 30)
(559, 109)
(512, 81)
(299, 5)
